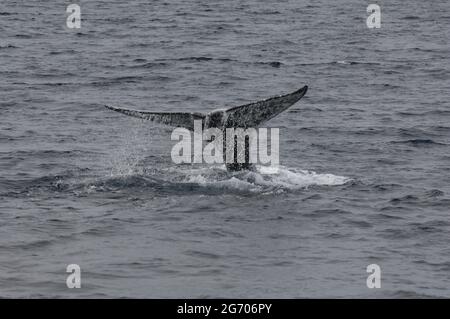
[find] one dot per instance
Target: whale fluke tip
(304, 89)
(110, 107)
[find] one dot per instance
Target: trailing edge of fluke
(244, 116)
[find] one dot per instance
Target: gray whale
(243, 116)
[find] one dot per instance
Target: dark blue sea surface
(365, 154)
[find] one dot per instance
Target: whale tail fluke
(257, 113)
(244, 116)
(176, 119)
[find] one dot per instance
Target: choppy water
(365, 155)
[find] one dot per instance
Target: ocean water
(365, 154)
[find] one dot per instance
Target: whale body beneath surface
(250, 115)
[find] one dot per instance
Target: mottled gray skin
(250, 115)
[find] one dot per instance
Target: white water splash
(126, 160)
(261, 180)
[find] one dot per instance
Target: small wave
(196, 59)
(9, 46)
(81, 34)
(345, 62)
(406, 198)
(39, 243)
(419, 142)
(151, 65)
(48, 153)
(274, 64)
(71, 51)
(340, 62)
(265, 12)
(437, 112)
(405, 294)
(410, 18)
(23, 36)
(434, 193)
(122, 182)
(387, 187)
(432, 196)
(103, 82)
